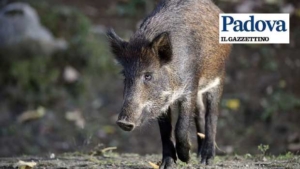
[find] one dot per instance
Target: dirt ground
(133, 161)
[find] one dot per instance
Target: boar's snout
(128, 118)
(125, 125)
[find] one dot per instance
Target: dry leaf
(202, 136)
(155, 166)
(25, 165)
(233, 104)
(76, 117)
(98, 152)
(31, 115)
(108, 149)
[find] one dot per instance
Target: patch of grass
(248, 156)
(263, 149)
(286, 156)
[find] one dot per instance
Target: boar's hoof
(207, 154)
(168, 163)
(127, 126)
(183, 152)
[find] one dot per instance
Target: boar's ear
(162, 47)
(117, 44)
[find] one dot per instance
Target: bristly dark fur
(174, 57)
(116, 43)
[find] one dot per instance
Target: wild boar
(174, 58)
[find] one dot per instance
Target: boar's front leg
(211, 119)
(169, 152)
(183, 146)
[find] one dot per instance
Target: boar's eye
(148, 76)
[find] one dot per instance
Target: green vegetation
(40, 78)
(263, 149)
(279, 101)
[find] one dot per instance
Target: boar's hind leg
(169, 152)
(187, 108)
(211, 118)
(200, 121)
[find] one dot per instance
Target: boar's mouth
(129, 126)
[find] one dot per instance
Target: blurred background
(61, 91)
